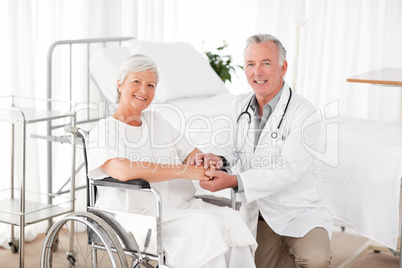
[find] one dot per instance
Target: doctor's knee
(316, 258)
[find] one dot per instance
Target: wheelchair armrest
(131, 184)
(217, 201)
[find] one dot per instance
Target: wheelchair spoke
(73, 247)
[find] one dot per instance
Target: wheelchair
(94, 238)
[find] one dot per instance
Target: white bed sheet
(200, 120)
(363, 190)
(196, 110)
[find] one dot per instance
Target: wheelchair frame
(109, 236)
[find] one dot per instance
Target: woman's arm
(123, 169)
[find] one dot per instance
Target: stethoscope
(274, 134)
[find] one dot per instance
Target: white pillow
(104, 66)
(183, 72)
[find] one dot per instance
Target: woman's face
(137, 91)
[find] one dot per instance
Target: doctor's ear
(284, 68)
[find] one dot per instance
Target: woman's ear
(118, 86)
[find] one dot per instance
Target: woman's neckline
(139, 123)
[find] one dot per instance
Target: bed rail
(116, 41)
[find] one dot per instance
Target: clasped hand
(218, 180)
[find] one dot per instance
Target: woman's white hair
(264, 38)
(136, 63)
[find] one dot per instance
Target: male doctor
(276, 182)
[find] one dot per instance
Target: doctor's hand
(219, 180)
(208, 160)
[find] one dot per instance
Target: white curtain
(339, 38)
(346, 38)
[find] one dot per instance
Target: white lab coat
(278, 177)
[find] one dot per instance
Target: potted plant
(222, 64)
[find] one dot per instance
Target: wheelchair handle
(71, 129)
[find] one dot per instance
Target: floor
(343, 246)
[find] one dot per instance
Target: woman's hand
(208, 160)
(194, 172)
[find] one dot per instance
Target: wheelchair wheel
(82, 239)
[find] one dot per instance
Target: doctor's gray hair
(264, 38)
(136, 63)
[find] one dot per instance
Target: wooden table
(387, 76)
(382, 77)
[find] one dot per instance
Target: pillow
(104, 66)
(183, 72)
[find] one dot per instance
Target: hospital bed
(359, 165)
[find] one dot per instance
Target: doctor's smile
(260, 82)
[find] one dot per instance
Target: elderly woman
(136, 143)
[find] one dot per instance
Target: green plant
(222, 64)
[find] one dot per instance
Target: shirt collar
(272, 103)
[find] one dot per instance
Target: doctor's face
(137, 91)
(261, 65)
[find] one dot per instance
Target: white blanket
(363, 189)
